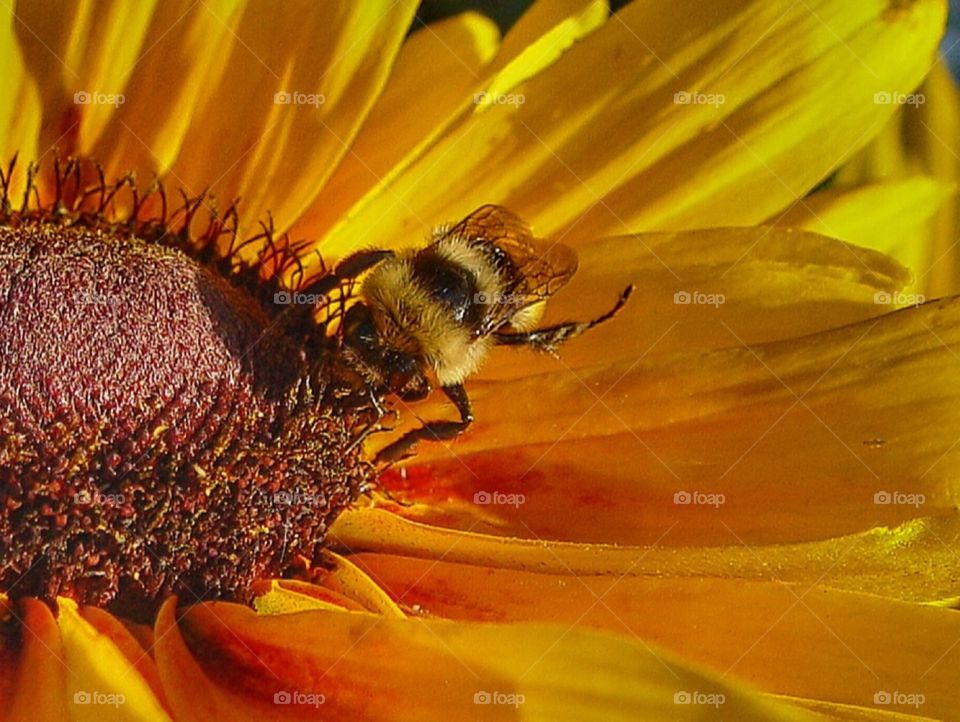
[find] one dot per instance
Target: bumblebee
(430, 316)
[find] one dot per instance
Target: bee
(429, 317)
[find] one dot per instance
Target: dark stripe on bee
(452, 285)
(497, 258)
(507, 270)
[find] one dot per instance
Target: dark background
(503, 12)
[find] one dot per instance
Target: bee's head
(385, 366)
(405, 375)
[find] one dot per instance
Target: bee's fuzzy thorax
(409, 319)
(460, 251)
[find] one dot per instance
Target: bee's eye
(405, 375)
(360, 328)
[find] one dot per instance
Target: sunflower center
(155, 435)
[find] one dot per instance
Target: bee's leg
(350, 267)
(373, 487)
(434, 430)
(549, 338)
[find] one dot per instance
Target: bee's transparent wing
(539, 268)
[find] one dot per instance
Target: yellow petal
(914, 562)
(134, 649)
(536, 41)
(923, 137)
(286, 597)
(102, 681)
(768, 283)
(884, 158)
(82, 56)
(889, 216)
(789, 91)
(343, 587)
(874, 357)
(367, 668)
(778, 144)
(932, 135)
(455, 50)
(20, 112)
(541, 36)
(760, 433)
(343, 576)
(295, 90)
(180, 63)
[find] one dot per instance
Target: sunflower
(735, 501)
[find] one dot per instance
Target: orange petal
(190, 692)
(40, 666)
(851, 713)
(794, 639)
(768, 283)
(786, 441)
(348, 666)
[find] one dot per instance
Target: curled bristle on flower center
(164, 428)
